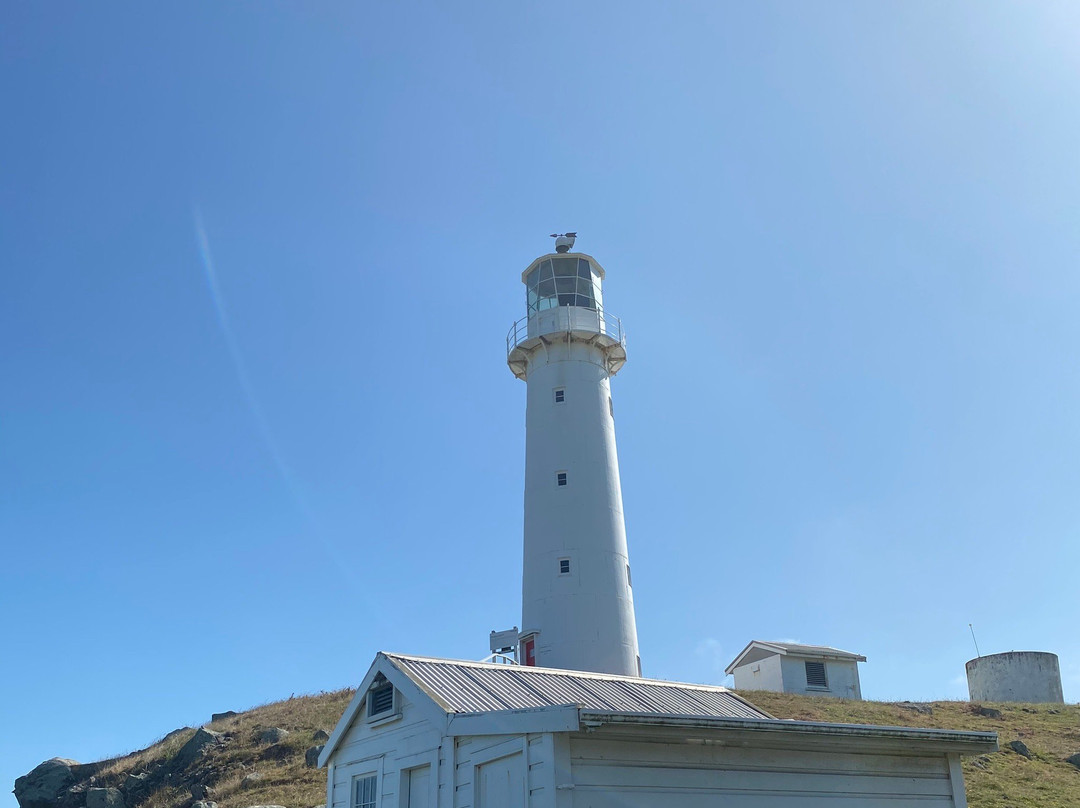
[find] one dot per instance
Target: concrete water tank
(1029, 676)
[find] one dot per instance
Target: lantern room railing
(576, 319)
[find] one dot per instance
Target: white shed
(427, 733)
(785, 667)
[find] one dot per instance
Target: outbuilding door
(501, 783)
(419, 787)
(621, 774)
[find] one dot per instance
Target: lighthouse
(577, 607)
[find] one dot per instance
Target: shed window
(560, 478)
(564, 566)
(381, 700)
(815, 675)
(364, 791)
(560, 395)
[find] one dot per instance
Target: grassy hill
(1051, 733)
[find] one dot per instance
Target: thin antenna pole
(974, 640)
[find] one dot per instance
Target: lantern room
(563, 280)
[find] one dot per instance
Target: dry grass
(999, 780)
(1005, 778)
(165, 749)
(285, 779)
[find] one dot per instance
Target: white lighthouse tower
(577, 597)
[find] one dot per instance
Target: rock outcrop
(252, 780)
(273, 735)
(1020, 748)
(196, 748)
(44, 786)
(201, 792)
(311, 757)
(104, 798)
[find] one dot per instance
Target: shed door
(501, 783)
(419, 787)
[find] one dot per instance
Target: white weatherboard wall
(627, 774)
(764, 674)
(396, 750)
(596, 770)
(507, 771)
(781, 667)
(583, 618)
(566, 756)
(842, 676)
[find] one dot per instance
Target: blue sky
(260, 260)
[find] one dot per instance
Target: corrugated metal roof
(757, 650)
(475, 687)
(799, 648)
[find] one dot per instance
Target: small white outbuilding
(437, 733)
(785, 667)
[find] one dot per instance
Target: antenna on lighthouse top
(564, 242)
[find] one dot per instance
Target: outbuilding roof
(473, 687)
(759, 649)
(458, 692)
(477, 698)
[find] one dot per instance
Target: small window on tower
(560, 478)
(560, 395)
(610, 407)
(629, 580)
(564, 566)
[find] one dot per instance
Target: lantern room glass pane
(565, 266)
(563, 281)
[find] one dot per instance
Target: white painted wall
(781, 673)
(607, 769)
(627, 774)
(586, 618)
(765, 674)
(410, 753)
(390, 750)
(503, 770)
(1021, 676)
(841, 674)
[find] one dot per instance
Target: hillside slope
(244, 759)
(1050, 732)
